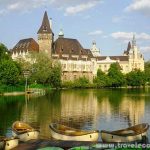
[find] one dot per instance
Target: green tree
(102, 80)
(55, 76)
(136, 78)
(4, 53)
(41, 67)
(81, 82)
(147, 71)
(115, 75)
(9, 72)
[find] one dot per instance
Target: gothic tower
(136, 59)
(45, 36)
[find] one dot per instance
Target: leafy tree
(102, 80)
(41, 68)
(147, 71)
(115, 75)
(55, 76)
(82, 82)
(9, 72)
(135, 78)
(4, 53)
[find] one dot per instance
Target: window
(65, 77)
(74, 66)
(75, 77)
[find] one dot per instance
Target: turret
(61, 34)
(95, 51)
(45, 35)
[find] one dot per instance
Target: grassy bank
(21, 88)
(6, 88)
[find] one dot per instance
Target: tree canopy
(43, 70)
(136, 78)
(147, 71)
(4, 53)
(115, 75)
(9, 72)
(102, 80)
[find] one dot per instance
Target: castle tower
(95, 51)
(136, 59)
(45, 36)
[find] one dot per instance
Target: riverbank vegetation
(38, 70)
(42, 72)
(113, 78)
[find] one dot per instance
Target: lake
(102, 109)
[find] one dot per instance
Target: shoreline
(17, 93)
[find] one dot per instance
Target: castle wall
(45, 43)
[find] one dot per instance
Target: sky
(111, 23)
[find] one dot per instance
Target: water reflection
(85, 109)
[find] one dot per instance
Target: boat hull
(87, 137)
(31, 135)
(2, 143)
(11, 143)
(106, 137)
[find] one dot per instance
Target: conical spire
(133, 40)
(45, 27)
(129, 47)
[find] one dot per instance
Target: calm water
(109, 109)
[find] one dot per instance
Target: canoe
(8, 143)
(24, 131)
(11, 143)
(2, 143)
(131, 134)
(61, 132)
(51, 148)
(81, 148)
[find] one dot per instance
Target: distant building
(77, 61)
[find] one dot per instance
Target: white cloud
(72, 10)
(69, 6)
(126, 36)
(23, 6)
(145, 49)
(97, 32)
(122, 35)
(142, 6)
(14, 6)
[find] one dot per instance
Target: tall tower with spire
(45, 36)
(136, 59)
(133, 41)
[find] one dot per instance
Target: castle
(75, 60)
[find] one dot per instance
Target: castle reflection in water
(88, 109)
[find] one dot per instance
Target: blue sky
(111, 23)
